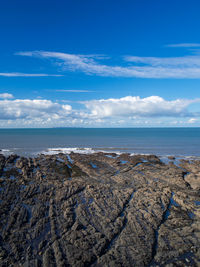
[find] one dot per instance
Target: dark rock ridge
(99, 210)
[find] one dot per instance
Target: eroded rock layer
(99, 210)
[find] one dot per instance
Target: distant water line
(159, 141)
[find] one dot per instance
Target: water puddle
(60, 160)
(69, 159)
(12, 178)
(93, 165)
(123, 161)
(112, 157)
(191, 215)
(138, 164)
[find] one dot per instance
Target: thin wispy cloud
(187, 67)
(74, 91)
(169, 62)
(184, 45)
(19, 74)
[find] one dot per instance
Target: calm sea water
(159, 141)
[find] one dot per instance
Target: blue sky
(98, 63)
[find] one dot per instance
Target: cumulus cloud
(153, 106)
(192, 120)
(30, 109)
(125, 111)
(142, 67)
(20, 74)
(6, 96)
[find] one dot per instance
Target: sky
(99, 63)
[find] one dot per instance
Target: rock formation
(99, 210)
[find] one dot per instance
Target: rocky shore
(100, 209)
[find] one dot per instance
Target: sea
(179, 142)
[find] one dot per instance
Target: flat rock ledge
(99, 210)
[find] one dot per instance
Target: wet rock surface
(99, 210)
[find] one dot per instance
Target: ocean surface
(160, 141)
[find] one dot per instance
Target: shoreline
(79, 209)
(88, 151)
(161, 142)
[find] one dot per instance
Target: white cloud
(126, 111)
(19, 74)
(6, 96)
(192, 120)
(169, 62)
(153, 106)
(32, 109)
(143, 67)
(74, 91)
(186, 45)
